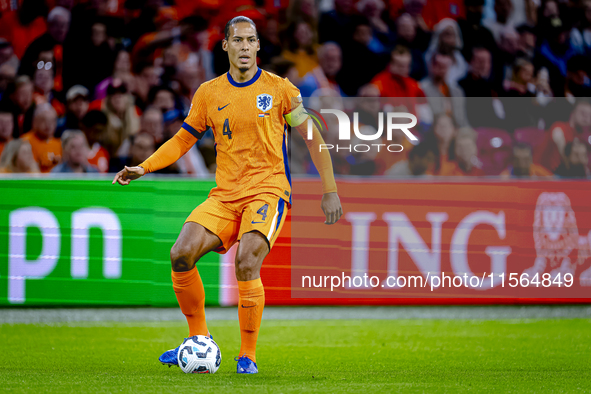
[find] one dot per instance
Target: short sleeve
(196, 121)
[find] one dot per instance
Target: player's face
(242, 46)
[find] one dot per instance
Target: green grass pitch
(302, 356)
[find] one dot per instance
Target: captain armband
(297, 116)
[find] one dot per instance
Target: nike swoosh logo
(256, 222)
(252, 306)
(219, 109)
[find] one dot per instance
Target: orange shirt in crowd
(99, 157)
(407, 89)
(47, 153)
(18, 35)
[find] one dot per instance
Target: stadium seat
(494, 149)
(529, 135)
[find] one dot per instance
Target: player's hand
(128, 174)
(331, 206)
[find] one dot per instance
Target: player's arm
(167, 154)
(331, 204)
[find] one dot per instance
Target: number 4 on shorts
(263, 211)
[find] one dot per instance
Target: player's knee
(182, 258)
(247, 268)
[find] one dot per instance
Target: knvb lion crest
(264, 102)
(556, 235)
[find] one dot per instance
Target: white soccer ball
(199, 354)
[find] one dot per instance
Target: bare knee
(252, 251)
(182, 258)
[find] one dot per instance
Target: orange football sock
(251, 301)
(189, 292)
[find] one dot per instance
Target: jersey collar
(244, 84)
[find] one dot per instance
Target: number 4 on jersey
(227, 130)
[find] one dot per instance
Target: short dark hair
(94, 117)
(400, 50)
(235, 20)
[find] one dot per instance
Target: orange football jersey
(247, 120)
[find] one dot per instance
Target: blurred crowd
(499, 86)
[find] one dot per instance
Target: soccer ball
(199, 354)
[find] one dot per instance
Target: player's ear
(225, 45)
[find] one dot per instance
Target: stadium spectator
(480, 111)
(163, 98)
(270, 42)
(6, 126)
(58, 23)
(474, 34)
(442, 96)
(17, 157)
(577, 83)
(75, 154)
(303, 10)
(554, 53)
(47, 149)
(551, 150)
(382, 37)
(394, 81)
(575, 163)
(324, 76)
(360, 64)
(477, 83)
(43, 82)
(521, 83)
(121, 71)
(505, 57)
(7, 56)
(503, 11)
(465, 156)
(152, 123)
(300, 46)
(23, 26)
(422, 161)
(76, 108)
(193, 48)
(284, 68)
(443, 135)
(98, 55)
(147, 76)
(18, 99)
(581, 35)
(447, 38)
(527, 42)
(7, 76)
(94, 125)
(333, 23)
(522, 164)
(122, 114)
(408, 36)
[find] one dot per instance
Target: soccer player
(247, 109)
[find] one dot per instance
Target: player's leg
(252, 250)
(211, 226)
(192, 244)
(261, 223)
